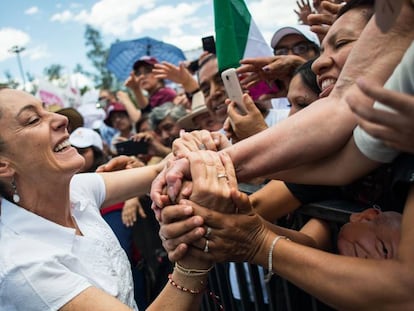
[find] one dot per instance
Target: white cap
(84, 137)
(303, 30)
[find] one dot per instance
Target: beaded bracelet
(192, 272)
(270, 273)
(182, 288)
(214, 297)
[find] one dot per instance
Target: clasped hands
(202, 215)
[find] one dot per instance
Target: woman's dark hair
(99, 158)
(352, 4)
(308, 76)
(139, 123)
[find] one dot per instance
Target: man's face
(213, 89)
(371, 234)
(295, 44)
(169, 130)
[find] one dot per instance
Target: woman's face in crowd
(120, 121)
(336, 47)
(299, 94)
(36, 140)
(149, 82)
(371, 234)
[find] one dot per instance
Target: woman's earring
(16, 197)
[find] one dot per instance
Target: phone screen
(131, 147)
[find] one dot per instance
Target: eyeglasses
(300, 48)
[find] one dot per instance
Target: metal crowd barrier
(282, 295)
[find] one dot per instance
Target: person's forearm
(173, 298)
(133, 112)
(125, 184)
(345, 283)
(326, 125)
(142, 101)
(341, 168)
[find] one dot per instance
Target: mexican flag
(237, 35)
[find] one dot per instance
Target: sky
(52, 32)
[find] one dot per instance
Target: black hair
(353, 4)
(308, 76)
(138, 124)
(99, 158)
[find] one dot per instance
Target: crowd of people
(328, 116)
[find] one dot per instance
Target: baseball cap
(145, 60)
(113, 107)
(84, 137)
(303, 30)
(198, 107)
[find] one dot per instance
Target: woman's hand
(269, 69)
(395, 128)
(131, 209)
(180, 75)
(120, 163)
(324, 18)
(239, 126)
(133, 82)
(199, 140)
(304, 9)
(232, 237)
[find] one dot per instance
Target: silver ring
(206, 247)
(202, 147)
(208, 232)
(223, 176)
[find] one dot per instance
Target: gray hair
(168, 109)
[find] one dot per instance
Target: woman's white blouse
(44, 265)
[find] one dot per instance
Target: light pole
(17, 50)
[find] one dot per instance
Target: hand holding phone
(130, 147)
(209, 44)
(233, 88)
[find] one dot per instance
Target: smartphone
(131, 147)
(233, 88)
(209, 44)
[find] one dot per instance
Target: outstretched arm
(325, 126)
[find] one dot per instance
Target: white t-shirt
(402, 80)
(44, 265)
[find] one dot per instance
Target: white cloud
(38, 52)
(109, 16)
(62, 17)
(32, 11)
(269, 14)
(182, 25)
(10, 37)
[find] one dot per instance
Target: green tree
(53, 72)
(98, 55)
(11, 82)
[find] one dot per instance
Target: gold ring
(223, 176)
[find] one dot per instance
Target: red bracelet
(181, 288)
(214, 297)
